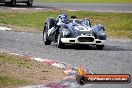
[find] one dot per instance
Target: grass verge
(20, 71)
(116, 24)
(87, 1)
(8, 81)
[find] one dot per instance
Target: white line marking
(38, 59)
(58, 65)
(5, 28)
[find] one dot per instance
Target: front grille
(85, 39)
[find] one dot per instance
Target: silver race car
(13, 2)
(73, 31)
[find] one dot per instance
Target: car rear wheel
(59, 42)
(13, 3)
(99, 47)
(45, 39)
(30, 3)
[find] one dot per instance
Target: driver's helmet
(64, 17)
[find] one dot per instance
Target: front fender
(99, 32)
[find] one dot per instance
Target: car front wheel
(59, 42)
(30, 3)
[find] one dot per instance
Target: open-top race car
(73, 31)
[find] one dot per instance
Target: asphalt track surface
(89, 6)
(99, 7)
(115, 58)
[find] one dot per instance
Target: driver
(62, 19)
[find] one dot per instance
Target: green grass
(87, 1)
(7, 81)
(14, 60)
(116, 24)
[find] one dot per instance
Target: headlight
(66, 32)
(102, 32)
(91, 31)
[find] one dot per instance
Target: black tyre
(59, 42)
(30, 3)
(99, 47)
(45, 39)
(81, 80)
(7, 3)
(13, 3)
